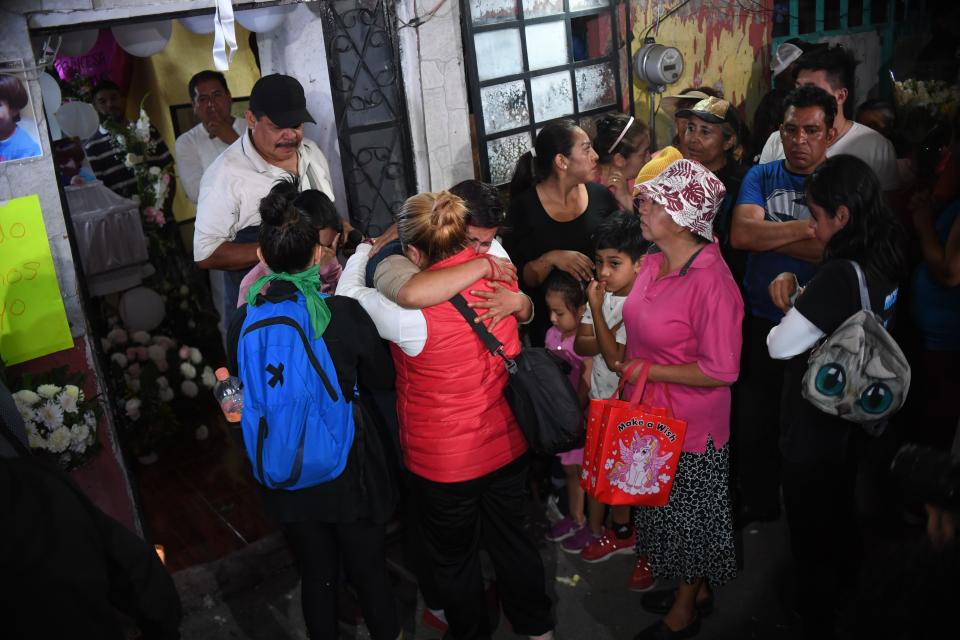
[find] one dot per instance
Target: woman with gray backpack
(844, 376)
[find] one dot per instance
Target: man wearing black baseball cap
(228, 216)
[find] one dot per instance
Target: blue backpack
(297, 425)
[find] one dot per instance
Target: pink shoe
(579, 540)
(562, 529)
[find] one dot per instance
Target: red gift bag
(632, 449)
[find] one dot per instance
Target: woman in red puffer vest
(462, 443)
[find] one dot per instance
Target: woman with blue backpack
(842, 369)
(306, 361)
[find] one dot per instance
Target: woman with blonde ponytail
(461, 442)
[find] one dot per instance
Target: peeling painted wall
(435, 85)
(723, 45)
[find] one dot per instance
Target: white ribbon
(225, 36)
(620, 137)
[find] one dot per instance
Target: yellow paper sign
(33, 321)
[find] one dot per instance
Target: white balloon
(141, 309)
(197, 24)
(144, 39)
(262, 20)
(52, 99)
(77, 119)
(50, 92)
(77, 43)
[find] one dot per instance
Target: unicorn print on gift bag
(638, 469)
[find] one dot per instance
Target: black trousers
(456, 519)
(820, 501)
(318, 549)
(756, 427)
(414, 548)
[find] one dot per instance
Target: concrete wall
(723, 45)
(435, 84)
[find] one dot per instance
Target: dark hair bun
(275, 207)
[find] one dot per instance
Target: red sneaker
(642, 578)
(435, 620)
(607, 545)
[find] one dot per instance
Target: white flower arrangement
(161, 383)
(935, 96)
(59, 420)
(136, 142)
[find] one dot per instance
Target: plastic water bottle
(229, 394)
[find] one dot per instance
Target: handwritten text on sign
(33, 321)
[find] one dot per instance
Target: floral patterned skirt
(692, 536)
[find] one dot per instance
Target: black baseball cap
(281, 99)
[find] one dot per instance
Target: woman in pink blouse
(683, 316)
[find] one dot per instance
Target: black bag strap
(490, 341)
(10, 436)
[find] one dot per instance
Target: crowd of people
(720, 262)
(721, 271)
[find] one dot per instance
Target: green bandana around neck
(308, 283)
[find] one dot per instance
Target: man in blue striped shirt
(105, 158)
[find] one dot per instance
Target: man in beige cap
(673, 105)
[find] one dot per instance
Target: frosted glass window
(498, 53)
(552, 96)
(493, 11)
(541, 8)
(547, 45)
(580, 5)
(504, 106)
(503, 154)
(595, 87)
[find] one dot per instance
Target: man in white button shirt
(218, 129)
(199, 147)
(832, 69)
(228, 217)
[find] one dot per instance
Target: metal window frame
(351, 159)
(886, 29)
(612, 10)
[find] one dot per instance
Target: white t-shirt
(859, 141)
(603, 381)
(406, 328)
(195, 151)
(232, 187)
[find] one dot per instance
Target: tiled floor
(200, 501)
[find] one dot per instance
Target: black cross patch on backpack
(276, 373)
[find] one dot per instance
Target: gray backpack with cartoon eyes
(859, 371)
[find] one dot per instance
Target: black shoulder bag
(543, 401)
